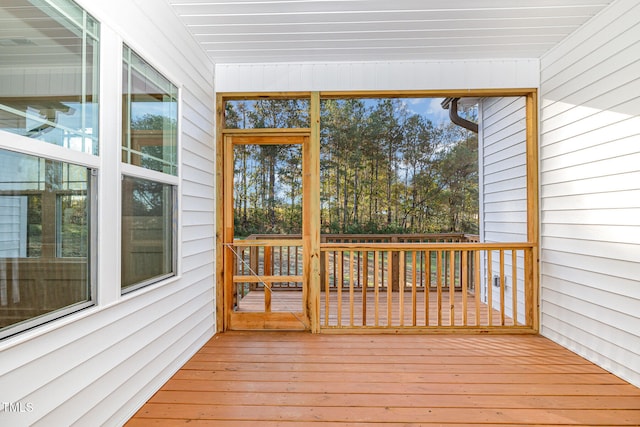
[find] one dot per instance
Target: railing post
(528, 288)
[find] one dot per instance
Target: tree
(382, 169)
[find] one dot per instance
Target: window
(49, 61)
(150, 116)
(149, 146)
(50, 67)
(45, 219)
(148, 231)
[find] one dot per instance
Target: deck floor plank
(291, 379)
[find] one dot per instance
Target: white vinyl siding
(13, 226)
(98, 366)
(590, 191)
(39, 82)
(503, 179)
(395, 75)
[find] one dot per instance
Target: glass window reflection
(44, 237)
(150, 116)
(148, 232)
(49, 70)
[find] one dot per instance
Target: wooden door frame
(310, 230)
(313, 239)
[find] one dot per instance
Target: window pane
(397, 166)
(44, 215)
(49, 57)
(267, 114)
(72, 225)
(150, 116)
(267, 189)
(148, 231)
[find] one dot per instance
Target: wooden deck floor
(267, 379)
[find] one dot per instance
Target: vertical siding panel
(590, 151)
(97, 366)
(504, 189)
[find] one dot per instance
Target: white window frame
(134, 171)
(45, 150)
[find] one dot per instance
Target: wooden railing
(268, 255)
(286, 259)
(276, 264)
(440, 285)
(394, 278)
(396, 282)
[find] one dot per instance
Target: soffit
(256, 31)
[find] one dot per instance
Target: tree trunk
(355, 196)
(272, 191)
(345, 203)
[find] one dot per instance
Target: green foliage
(384, 169)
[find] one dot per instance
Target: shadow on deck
(289, 379)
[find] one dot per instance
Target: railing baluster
(452, 288)
(268, 259)
(490, 287)
(514, 286)
(351, 284)
(390, 270)
(327, 288)
(439, 285)
(414, 291)
(422, 263)
(365, 285)
(340, 275)
(288, 260)
(401, 283)
(427, 286)
(502, 286)
(476, 285)
(376, 291)
(464, 285)
(359, 270)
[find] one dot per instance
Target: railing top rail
(274, 242)
(270, 237)
(401, 235)
(422, 246)
(440, 236)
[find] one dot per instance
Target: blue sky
(428, 107)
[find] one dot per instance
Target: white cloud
(435, 112)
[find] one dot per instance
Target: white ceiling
(241, 31)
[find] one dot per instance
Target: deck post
(220, 237)
(533, 207)
(312, 239)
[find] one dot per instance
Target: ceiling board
(241, 31)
